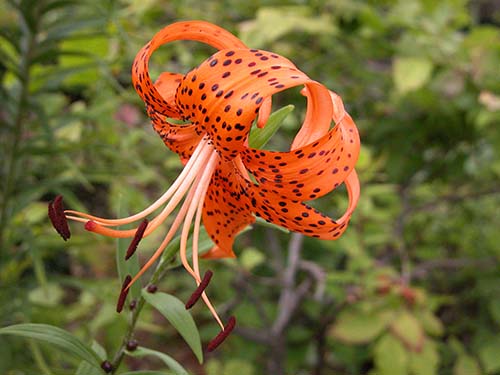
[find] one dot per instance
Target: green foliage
(55, 336)
(169, 361)
(411, 288)
(175, 312)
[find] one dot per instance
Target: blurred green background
(413, 287)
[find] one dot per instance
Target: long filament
(191, 168)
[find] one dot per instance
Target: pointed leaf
(488, 354)
(259, 137)
(425, 361)
(408, 330)
(466, 365)
(391, 358)
(169, 361)
(130, 266)
(357, 327)
(410, 73)
(58, 337)
(175, 312)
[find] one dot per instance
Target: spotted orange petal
(227, 208)
(225, 93)
(310, 171)
(181, 139)
(300, 217)
(194, 30)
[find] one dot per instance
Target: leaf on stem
(58, 337)
(174, 311)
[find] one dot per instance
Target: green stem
(120, 353)
(11, 159)
(38, 357)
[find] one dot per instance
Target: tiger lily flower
(226, 183)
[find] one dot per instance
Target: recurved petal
(192, 30)
(310, 171)
(225, 93)
(226, 210)
(300, 217)
(318, 115)
(167, 84)
(181, 139)
(217, 253)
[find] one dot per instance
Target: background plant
(411, 288)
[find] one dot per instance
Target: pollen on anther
(123, 293)
(137, 238)
(212, 345)
(199, 290)
(58, 218)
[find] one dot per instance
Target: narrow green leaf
(58, 337)
(147, 372)
(169, 361)
(130, 266)
(174, 311)
(84, 368)
(259, 137)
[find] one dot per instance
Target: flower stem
(157, 276)
(12, 158)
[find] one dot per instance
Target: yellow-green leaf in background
(489, 355)
(408, 329)
(466, 365)
(411, 73)
(425, 361)
(251, 257)
(431, 324)
(357, 327)
(391, 357)
(48, 295)
(265, 29)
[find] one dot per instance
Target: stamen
(137, 238)
(123, 294)
(191, 169)
(199, 290)
(184, 187)
(212, 345)
(58, 219)
(193, 205)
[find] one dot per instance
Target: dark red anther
(107, 366)
(152, 288)
(58, 218)
(212, 345)
(199, 290)
(123, 294)
(139, 233)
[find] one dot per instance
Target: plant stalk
(11, 159)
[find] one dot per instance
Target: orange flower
(219, 100)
